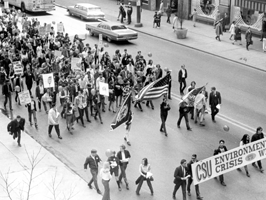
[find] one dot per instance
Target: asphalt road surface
(243, 108)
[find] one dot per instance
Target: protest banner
(75, 64)
(48, 28)
(227, 161)
(104, 89)
(60, 27)
(48, 80)
(42, 31)
(24, 97)
(6, 5)
(18, 68)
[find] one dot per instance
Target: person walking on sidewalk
(145, 175)
(218, 30)
(190, 179)
(93, 161)
(32, 112)
(217, 18)
(53, 121)
(15, 127)
(106, 176)
(129, 13)
(175, 22)
(248, 37)
(232, 30)
(258, 136)
(123, 155)
(194, 17)
(168, 12)
(245, 140)
(237, 35)
(123, 13)
(182, 76)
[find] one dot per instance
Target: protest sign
(42, 31)
(24, 97)
(227, 161)
(48, 28)
(48, 80)
(104, 89)
(18, 68)
(60, 27)
(75, 63)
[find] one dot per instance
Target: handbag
(151, 178)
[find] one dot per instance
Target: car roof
(112, 24)
(88, 5)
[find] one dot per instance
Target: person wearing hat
(53, 121)
(258, 136)
(93, 161)
(15, 127)
(222, 148)
(124, 156)
(181, 177)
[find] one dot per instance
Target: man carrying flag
(124, 115)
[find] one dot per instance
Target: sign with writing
(48, 28)
(18, 68)
(48, 80)
(42, 31)
(75, 63)
(60, 27)
(227, 161)
(104, 89)
(6, 5)
(24, 97)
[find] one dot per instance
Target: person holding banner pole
(257, 136)
(190, 179)
(244, 141)
(222, 148)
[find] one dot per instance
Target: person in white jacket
(53, 121)
(232, 30)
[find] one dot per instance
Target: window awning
(258, 5)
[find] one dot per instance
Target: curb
(234, 61)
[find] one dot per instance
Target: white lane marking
(225, 118)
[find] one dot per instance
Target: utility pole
(138, 24)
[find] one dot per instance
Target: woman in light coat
(232, 30)
(175, 22)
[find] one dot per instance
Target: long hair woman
(245, 140)
(106, 176)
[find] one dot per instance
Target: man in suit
(181, 177)
(258, 136)
(222, 148)
(182, 75)
(190, 179)
(164, 108)
(93, 161)
(15, 127)
(214, 100)
(123, 155)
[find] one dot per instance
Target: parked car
(86, 11)
(112, 31)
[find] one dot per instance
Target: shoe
(137, 193)
(60, 137)
(199, 197)
(128, 143)
(188, 193)
(119, 189)
(170, 98)
(109, 109)
(201, 124)
(84, 126)
(238, 169)
(174, 197)
(99, 192)
(261, 170)
(161, 130)
(127, 186)
(152, 108)
(214, 120)
(166, 134)
(196, 122)
(223, 184)
(95, 117)
(30, 124)
(50, 135)
(114, 111)
(90, 186)
(192, 118)
(103, 110)
(14, 137)
(254, 165)
(141, 110)
(19, 145)
(125, 139)
(151, 193)
(101, 122)
(248, 175)
(89, 121)
(189, 129)
(178, 126)
(36, 126)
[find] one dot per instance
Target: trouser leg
(57, 129)
(150, 185)
(50, 128)
(175, 189)
(140, 184)
(186, 119)
(19, 136)
(189, 184)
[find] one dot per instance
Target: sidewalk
(200, 38)
(51, 178)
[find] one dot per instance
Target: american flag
(190, 96)
(155, 89)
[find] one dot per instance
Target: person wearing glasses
(190, 179)
(257, 136)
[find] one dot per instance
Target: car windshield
(118, 27)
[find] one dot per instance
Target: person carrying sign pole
(257, 136)
(222, 148)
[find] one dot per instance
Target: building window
(208, 6)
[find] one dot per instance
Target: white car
(86, 11)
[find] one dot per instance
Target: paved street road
(243, 96)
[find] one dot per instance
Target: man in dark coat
(181, 177)
(123, 155)
(15, 127)
(214, 100)
(182, 75)
(222, 148)
(6, 90)
(183, 112)
(258, 136)
(164, 112)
